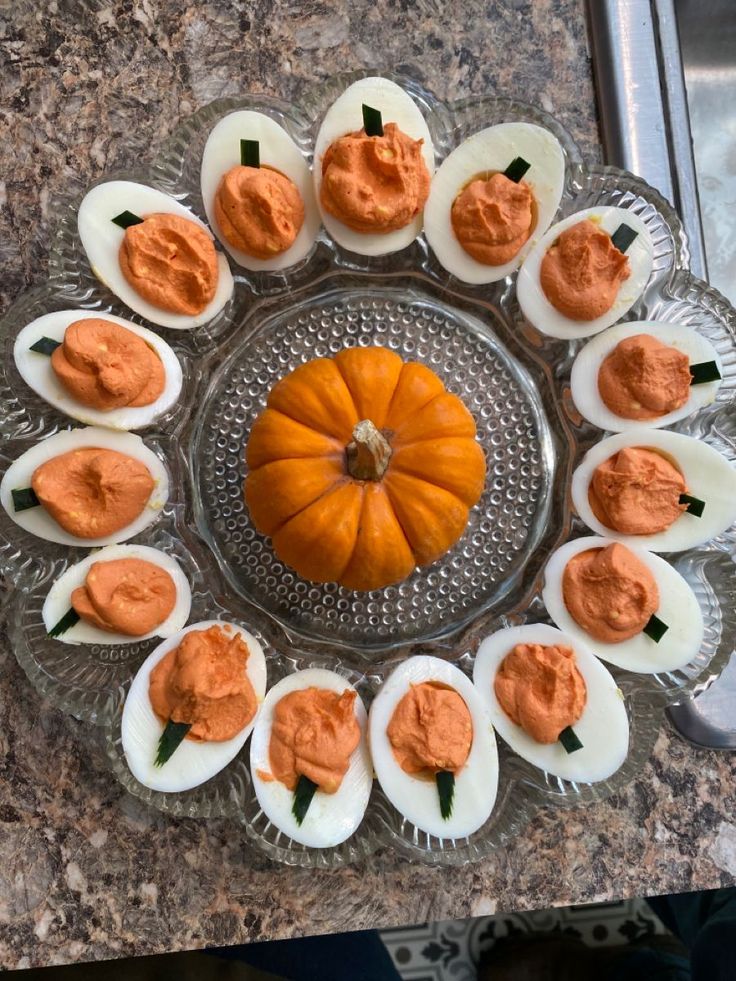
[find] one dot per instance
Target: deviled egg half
(586, 272)
(660, 490)
(192, 705)
(154, 254)
(373, 164)
(433, 748)
(120, 594)
(98, 368)
(630, 606)
(258, 192)
(309, 758)
(553, 702)
(86, 487)
(492, 198)
(644, 374)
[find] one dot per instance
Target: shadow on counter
(690, 937)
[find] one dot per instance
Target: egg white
(678, 608)
(708, 476)
(603, 728)
(278, 151)
(39, 522)
(331, 818)
(192, 763)
(37, 373)
(476, 784)
(539, 311)
(102, 239)
(58, 601)
(344, 116)
(493, 149)
(585, 369)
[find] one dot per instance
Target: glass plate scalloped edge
(672, 293)
(523, 788)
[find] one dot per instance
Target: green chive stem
(655, 628)
(694, 505)
(704, 371)
(445, 781)
(372, 121)
(170, 740)
(250, 153)
(516, 169)
(303, 794)
(45, 345)
(70, 618)
(569, 740)
(623, 237)
(126, 218)
(24, 498)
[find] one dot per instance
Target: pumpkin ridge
(319, 549)
(360, 513)
(365, 508)
(429, 483)
(357, 535)
(339, 454)
(356, 395)
(425, 439)
(300, 422)
(392, 492)
(455, 415)
(400, 524)
(278, 490)
(418, 409)
(455, 464)
(301, 378)
(339, 482)
(276, 420)
(406, 369)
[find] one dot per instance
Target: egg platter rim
(672, 293)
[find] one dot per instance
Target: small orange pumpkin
(361, 468)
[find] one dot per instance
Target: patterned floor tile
(450, 951)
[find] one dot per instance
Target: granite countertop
(86, 871)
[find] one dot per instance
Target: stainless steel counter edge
(644, 117)
(645, 126)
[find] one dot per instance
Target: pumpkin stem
(368, 453)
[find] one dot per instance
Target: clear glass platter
(515, 382)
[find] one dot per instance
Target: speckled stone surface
(86, 872)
